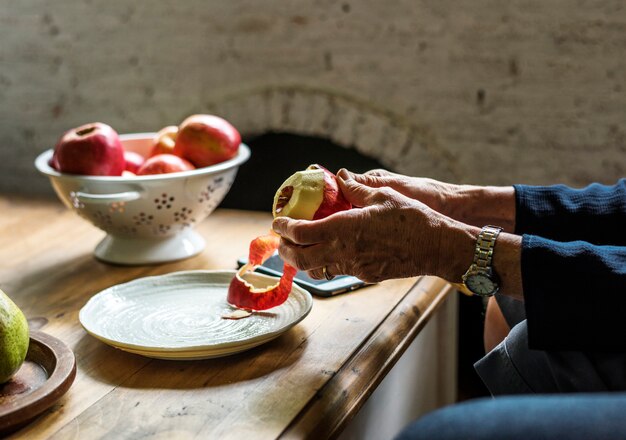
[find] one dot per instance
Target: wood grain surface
(307, 383)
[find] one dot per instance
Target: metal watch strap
(484, 247)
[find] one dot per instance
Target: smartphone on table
(339, 284)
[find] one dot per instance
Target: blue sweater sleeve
(575, 295)
(596, 214)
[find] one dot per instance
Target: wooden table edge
(338, 401)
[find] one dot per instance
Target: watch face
(481, 284)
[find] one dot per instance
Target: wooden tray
(46, 375)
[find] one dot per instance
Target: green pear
(13, 338)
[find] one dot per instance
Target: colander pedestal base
(137, 251)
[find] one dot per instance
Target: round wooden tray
(46, 375)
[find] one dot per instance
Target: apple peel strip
(244, 295)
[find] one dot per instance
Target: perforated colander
(148, 219)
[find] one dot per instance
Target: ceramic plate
(179, 316)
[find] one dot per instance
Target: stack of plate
(180, 316)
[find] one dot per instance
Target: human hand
(387, 235)
(431, 192)
(470, 204)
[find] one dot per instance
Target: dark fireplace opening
(276, 156)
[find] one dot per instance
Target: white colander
(148, 219)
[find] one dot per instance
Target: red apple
(163, 164)
(92, 149)
(52, 162)
(133, 161)
(206, 140)
(127, 173)
(164, 141)
(311, 194)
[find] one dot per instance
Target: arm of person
(392, 236)
(470, 204)
(595, 213)
(574, 294)
(573, 291)
(457, 254)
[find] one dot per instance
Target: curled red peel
(261, 248)
(244, 295)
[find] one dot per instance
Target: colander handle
(127, 196)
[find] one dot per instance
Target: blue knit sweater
(574, 265)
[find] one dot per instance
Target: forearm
(574, 294)
(481, 205)
(595, 213)
(456, 254)
(573, 291)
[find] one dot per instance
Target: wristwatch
(480, 279)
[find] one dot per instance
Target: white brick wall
(534, 88)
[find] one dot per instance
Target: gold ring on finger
(327, 275)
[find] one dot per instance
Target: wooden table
(307, 383)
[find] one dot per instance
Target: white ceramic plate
(179, 316)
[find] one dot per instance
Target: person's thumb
(355, 192)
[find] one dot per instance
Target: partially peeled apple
(311, 194)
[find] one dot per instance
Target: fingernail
(344, 174)
(277, 225)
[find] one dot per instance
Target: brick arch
(346, 120)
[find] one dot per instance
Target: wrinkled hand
(387, 235)
(473, 205)
(431, 192)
